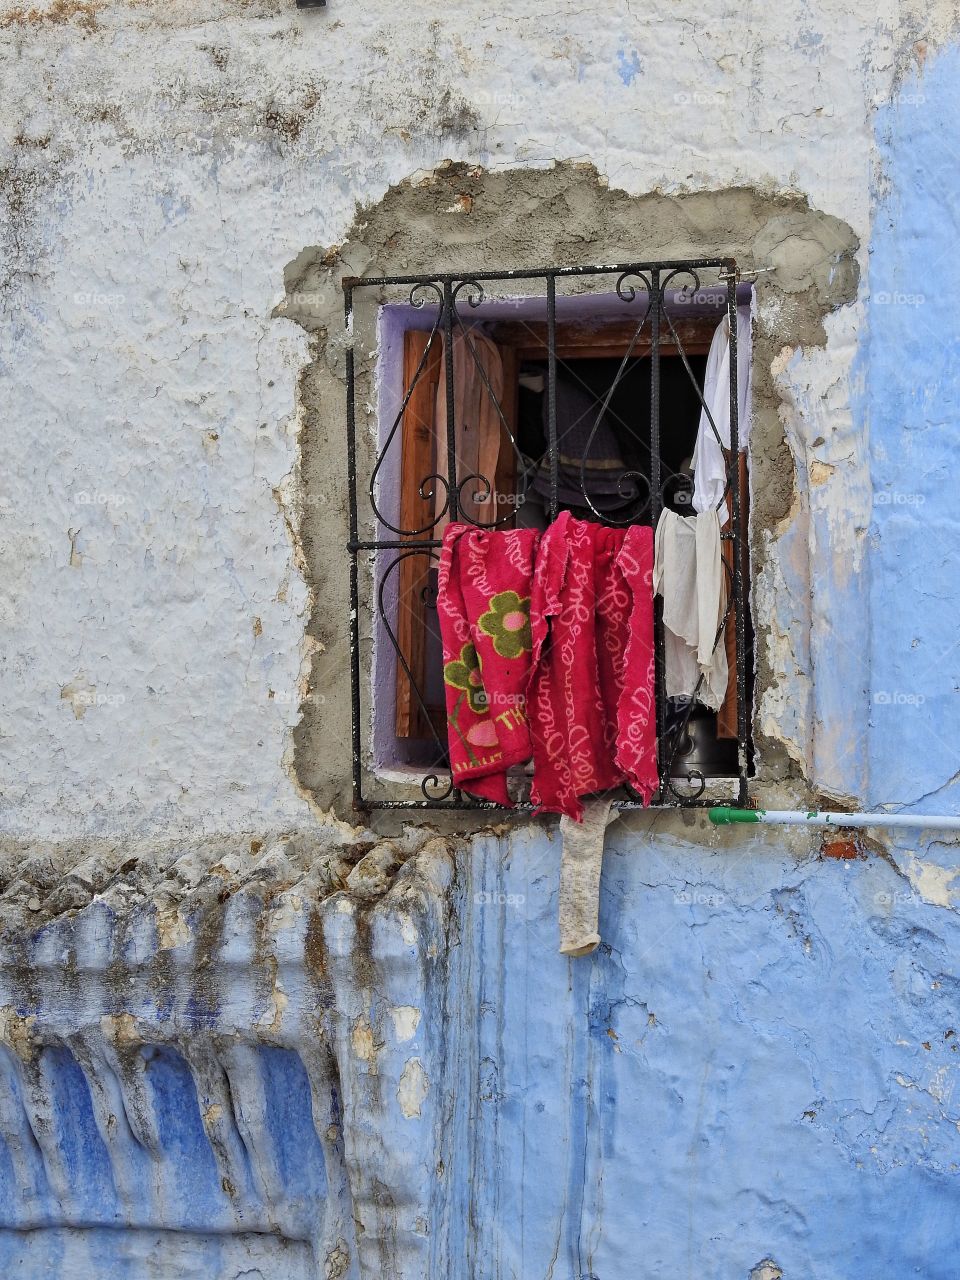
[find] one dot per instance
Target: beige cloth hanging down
(580, 866)
(477, 425)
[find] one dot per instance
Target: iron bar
(536, 273)
(656, 507)
(740, 624)
(453, 497)
(354, 567)
(402, 544)
(552, 450)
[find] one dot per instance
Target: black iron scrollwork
(459, 321)
(432, 780)
(487, 491)
(418, 298)
(628, 481)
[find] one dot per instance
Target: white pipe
(720, 815)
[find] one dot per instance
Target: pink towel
(591, 699)
(637, 705)
(548, 651)
(484, 609)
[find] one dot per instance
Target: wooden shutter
(423, 453)
(417, 462)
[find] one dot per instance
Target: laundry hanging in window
(591, 694)
(689, 575)
(483, 604)
(548, 652)
(691, 567)
(709, 462)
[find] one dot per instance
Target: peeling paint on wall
(816, 996)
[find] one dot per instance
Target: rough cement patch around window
(82, 13)
(460, 218)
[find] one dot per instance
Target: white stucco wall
(162, 164)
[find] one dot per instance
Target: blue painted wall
(760, 1062)
(910, 362)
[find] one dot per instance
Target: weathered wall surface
(229, 1065)
(239, 1037)
(171, 1094)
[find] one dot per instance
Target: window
(503, 399)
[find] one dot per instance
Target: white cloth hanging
(709, 467)
(688, 574)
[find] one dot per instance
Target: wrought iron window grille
(379, 545)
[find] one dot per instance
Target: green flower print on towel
(507, 622)
(465, 674)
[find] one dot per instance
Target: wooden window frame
(585, 339)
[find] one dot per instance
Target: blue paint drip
(629, 65)
(196, 1185)
(291, 1124)
(738, 1073)
(85, 1160)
